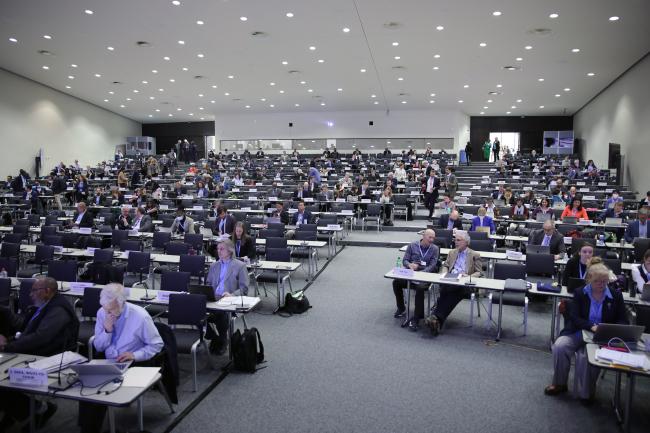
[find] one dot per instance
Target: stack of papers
(632, 360)
(238, 301)
(450, 276)
(52, 363)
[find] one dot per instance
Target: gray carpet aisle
(346, 366)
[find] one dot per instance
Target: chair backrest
(34, 220)
(264, 234)
(540, 264)
(5, 291)
(444, 233)
(307, 228)
(91, 301)
(175, 281)
(276, 226)
(614, 265)
(138, 262)
(49, 230)
(482, 245)
(14, 238)
(22, 228)
(442, 242)
(278, 254)
(255, 219)
(62, 270)
(70, 240)
(641, 245)
(43, 254)
(103, 255)
(160, 239)
(195, 240)
(24, 298)
(56, 241)
(195, 265)
(9, 250)
(177, 248)
(374, 209)
(10, 264)
(475, 236)
(276, 242)
(131, 245)
(186, 309)
(117, 236)
(503, 271)
(304, 235)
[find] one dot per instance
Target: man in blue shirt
(314, 173)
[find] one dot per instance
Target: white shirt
(636, 276)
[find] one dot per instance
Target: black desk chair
(131, 245)
(42, 256)
(10, 265)
(62, 270)
(89, 307)
(5, 291)
(271, 276)
(103, 256)
(194, 265)
(503, 271)
(24, 298)
(137, 266)
(117, 236)
(188, 310)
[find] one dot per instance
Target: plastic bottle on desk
(398, 263)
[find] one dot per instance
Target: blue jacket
(306, 218)
(632, 230)
(487, 222)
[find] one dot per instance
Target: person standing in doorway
(496, 149)
(468, 152)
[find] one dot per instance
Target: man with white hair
(462, 261)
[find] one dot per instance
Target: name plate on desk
(78, 288)
(197, 207)
(476, 187)
(513, 255)
(280, 184)
(580, 183)
(340, 200)
(85, 230)
(584, 189)
(493, 169)
(485, 182)
(534, 182)
(252, 197)
(91, 250)
(258, 184)
(347, 212)
(602, 183)
(401, 185)
(273, 199)
(163, 295)
(403, 272)
(465, 193)
(589, 197)
(27, 377)
(585, 222)
(418, 193)
(308, 199)
(164, 207)
(365, 200)
(501, 182)
(246, 208)
(235, 190)
(334, 226)
(252, 189)
(516, 177)
(527, 188)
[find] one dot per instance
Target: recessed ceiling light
(346, 30)
(200, 95)
(339, 90)
(199, 22)
(485, 107)
(284, 62)
(540, 79)
(14, 40)
(518, 100)
(296, 105)
(373, 96)
(541, 106)
(281, 91)
(151, 115)
(528, 47)
(152, 97)
(553, 16)
(176, 3)
(201, 108)
(395, 44)
(105, 100)
(243, 19)
(179, 109)
(466, 86)
(614, 18)
(170, 115)
(171, 80)
(157, 110)
(110, 48)
(322, 103)
(154, 71)
(68, 87)
(440, 28)
(181, 42)
(400, 79)
(271, 105)
(590, 74)
(202, 118)
(519, 59)
(482, 44)
(89, 12)
(362, 70)
(161, 90)
(310, 90)
(575, 50)
(214, 86)
(289, 15)
(499, 86)
(489, 101)
(436, 56)
(557, 95)
(432, 102)
(71, 77)
(111, 92)
(213, 102)
(435, 68)
(200, 55)
(263, 99)
(403, 102)
(98, 75)
(482, 112)
(513, 107)
(566, 89)
(271, 83)
(231, 76)
(122, 106)
(226, 94)
(321, 61)
(496, 13)
(145, 82)
(397, 57)
(47, 36)
(460, 101)
(166, 58)
(376, 102)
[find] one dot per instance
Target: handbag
(296, 303)
(247, 350)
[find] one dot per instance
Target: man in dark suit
(142, 222)
(225, 223)
(638, 228)
(550, 237)
(82, 218)
(451, 221)
(302, 192)
(281, 212)
(50, 328)
(302, 216)
(430, 187)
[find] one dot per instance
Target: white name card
(347, 212)
(252, 197)
(85, 230)
(501, 182)
(280, 184)
(91, 250)
(78, 288)
(334, 226)
(493, 169)
(308, 199)
(534, 182)
(273, 199)
(401, 185)
(465, 193)
(163, 295)
(580, 183)
(27, 377)
(485, 177)
(589, 197)
(246, 208)
(602, 183)
(516, 177)
(476, 187)
(235, 190)
(252, 189)
(164, 207)
(258, 184)
(417, 192)
(485, 182)
(365, 200)
(197, 207)
(403, 272)
(527, 188)
(340, 200)
(584, 189)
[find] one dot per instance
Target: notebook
(611, 221)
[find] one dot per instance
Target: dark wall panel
(530, 129)
(167, 134)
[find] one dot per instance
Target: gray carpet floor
(347, 366)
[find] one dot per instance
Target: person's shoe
(399, 313)
(413, 325)
(433, 324)
(555, 389)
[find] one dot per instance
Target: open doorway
(509, 143)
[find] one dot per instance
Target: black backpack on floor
(296, 303)
(245, 351)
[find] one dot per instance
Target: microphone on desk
(469, 283)
(146, 296)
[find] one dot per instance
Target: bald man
(421, 256)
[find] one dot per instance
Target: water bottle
(3, 273)
(398, 263)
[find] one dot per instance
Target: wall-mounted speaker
(290, 124)
(371, 123)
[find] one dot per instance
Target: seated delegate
(576, 266)
(639, 227)
(641, 272)
(463, 261)
(420, 256)
(482, 220)
(549, 237)
(592, 305)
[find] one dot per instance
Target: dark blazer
(229, 225)
(444, 221)
(86, 221)
(55, 329)
(146, 224)
(305, 194)
(306, 218)
(609, 213)
(556, 244)
(632, 230)
(284, 216)
(571, 270)
(246, 249)
(123, 224)
(613, 311)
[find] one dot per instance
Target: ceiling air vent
(539, 32)
(143, 44)
(117, 83)
(199, 77)
(511, 68)
(258, 34)
(392, 25)
(45, 52)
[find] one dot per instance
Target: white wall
(347, 124)
(34, 116)
(621, 114)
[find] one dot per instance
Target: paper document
(237, 301)
(139, 377)
(52, 363)
(633, 360)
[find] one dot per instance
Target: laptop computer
(483, 229)
(518, 217)
(200, 289)
(570, 220)
(94, 373)
(628, 333)
(574, 283)
(538, 249)
(611, 221)
(541, 217)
